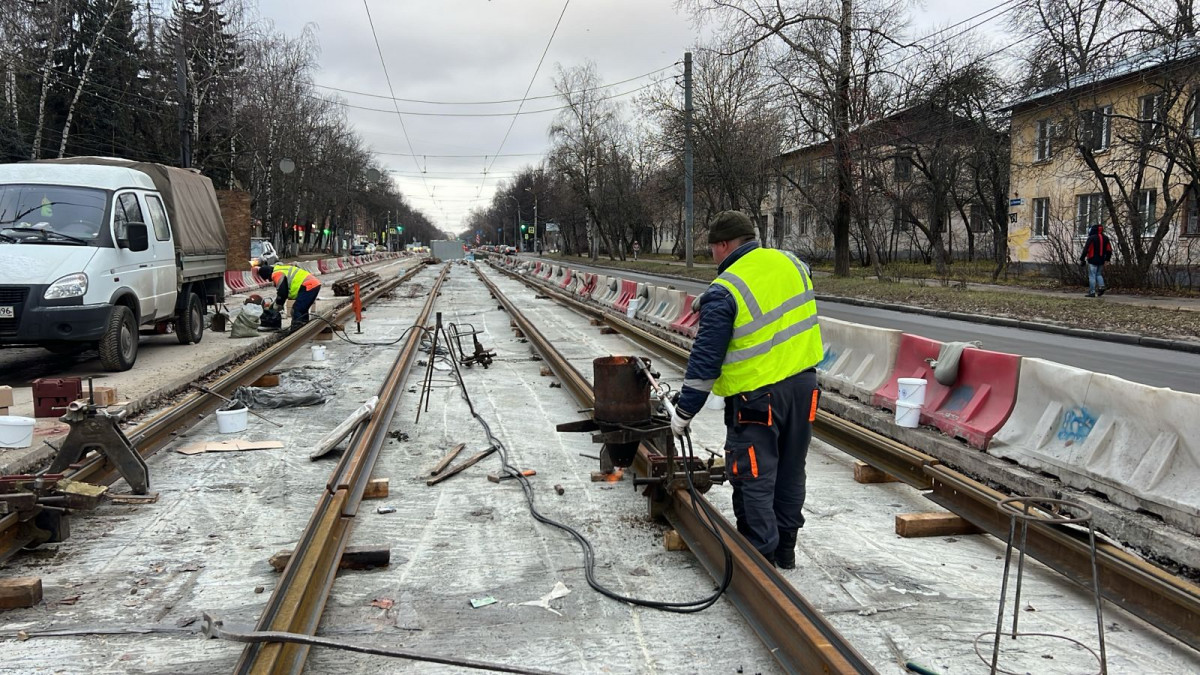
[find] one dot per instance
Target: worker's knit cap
(728, 225)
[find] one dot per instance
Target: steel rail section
(154, 434)
(794, 631)
(1136, 585)
(296, 604)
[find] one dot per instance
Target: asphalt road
(1155, 367)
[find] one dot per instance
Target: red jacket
(1098, 249)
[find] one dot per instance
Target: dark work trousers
(766, 443)
(303, 302)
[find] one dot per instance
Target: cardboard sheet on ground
(228, 446)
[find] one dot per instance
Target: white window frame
(1147, 213)
(1190, 227)
(1044, 140)
(1087, 122)
(1089, 211)
(1152, 120)
(1041, 217)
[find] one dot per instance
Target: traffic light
(522, 227)
(326, 231)
(400, 229)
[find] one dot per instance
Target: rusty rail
(794, 631)
(296, 604)
(1136, 585)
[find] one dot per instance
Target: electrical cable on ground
(589, 554)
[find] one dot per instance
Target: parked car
(358, 249)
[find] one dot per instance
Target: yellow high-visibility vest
(775, 332)
(296, 278)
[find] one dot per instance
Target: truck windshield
(31, 213)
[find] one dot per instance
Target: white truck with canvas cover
(93, 250)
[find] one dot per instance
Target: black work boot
(785, 553)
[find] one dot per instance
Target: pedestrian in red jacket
(1096, 252)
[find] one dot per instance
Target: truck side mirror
(137, 237)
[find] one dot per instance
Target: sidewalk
(1156, 301)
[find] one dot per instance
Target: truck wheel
(190, 326)
(119, 344)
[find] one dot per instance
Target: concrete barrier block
(645, 301)
(858, 358)
(978, 403)
(628, 292)
(677, 302)
(1137, 444)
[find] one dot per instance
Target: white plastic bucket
(318, 352)
(632, 309)
(910, 390)
(16, 432)
(232, 421)
(908, 414)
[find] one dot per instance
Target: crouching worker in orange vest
(295, 284)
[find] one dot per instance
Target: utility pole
(687, 157)
(185, 129)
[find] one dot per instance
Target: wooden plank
(377, 488)
(937, 524)
(865, 473)
(457, 468)
(20, 592)
(672, 541)
(353, 558)
(266, 380)
(445, 461)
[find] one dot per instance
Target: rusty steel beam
(296, 604)
(795, 633)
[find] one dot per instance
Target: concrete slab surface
(145, 573)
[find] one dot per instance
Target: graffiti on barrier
(1076, 424)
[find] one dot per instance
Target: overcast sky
(487, 50)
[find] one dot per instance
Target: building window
(899, 222)
(903, 168)
(1147, 205)
(1088, 210)
(1194, 117)
(1045, 134)
(1191, 214)
(1041, 216)
(1150, 116)
(978, 219)
(1095, 128)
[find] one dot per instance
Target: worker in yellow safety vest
(295, 284)
(757, 346)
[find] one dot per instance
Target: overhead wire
(497, 102)
(528, 88)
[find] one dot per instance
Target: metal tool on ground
(95, 429)
(229, 400)
(482, 356)
(427, 381)
(625, 416)
(345, 428)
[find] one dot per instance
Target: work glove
(679, 424)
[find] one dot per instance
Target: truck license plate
(6, 312)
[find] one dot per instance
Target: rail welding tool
(625, 418)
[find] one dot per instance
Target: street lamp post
(517, 223)
(536, 235)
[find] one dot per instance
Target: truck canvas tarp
(191, 203)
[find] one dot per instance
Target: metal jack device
(94, 428)
(626, 416)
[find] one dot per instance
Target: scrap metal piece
(95, 429)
